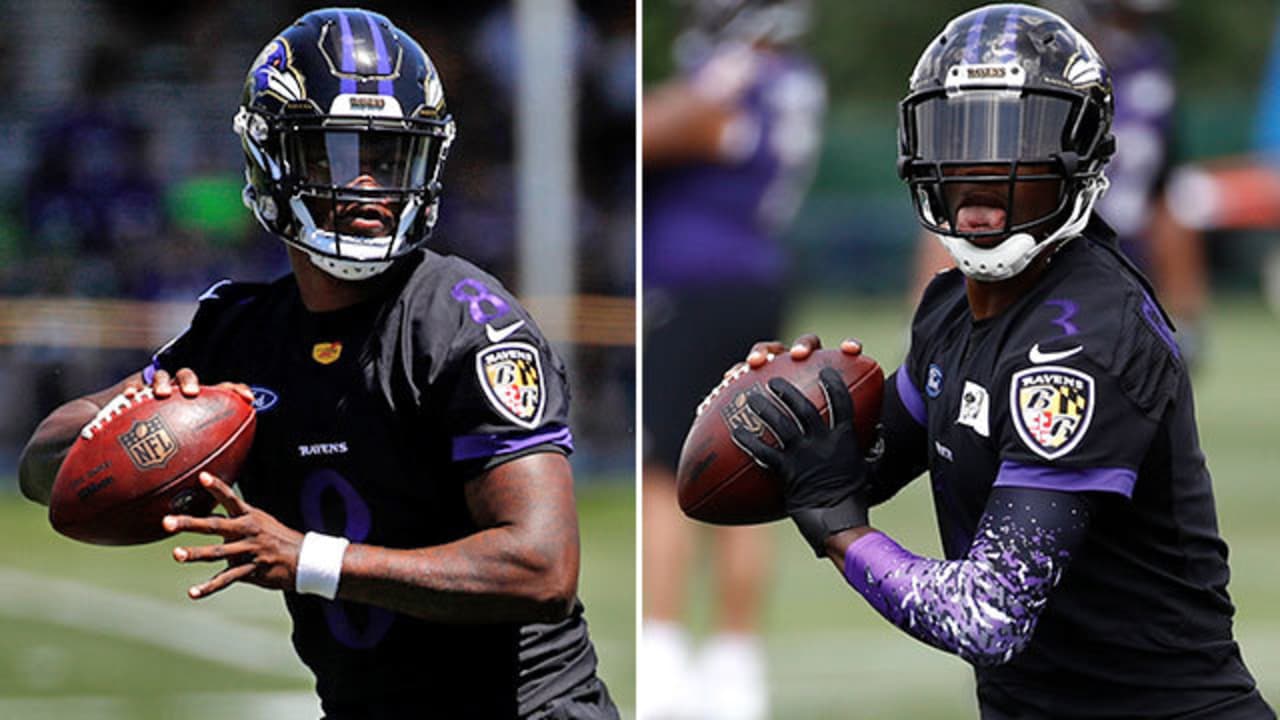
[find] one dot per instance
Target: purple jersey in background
(717, 223)
(1142, 75)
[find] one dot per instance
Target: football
(140, 459)
(718, 482)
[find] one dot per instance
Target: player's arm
(53, 437)
(521, 566)
(985, 606)
(697, 119)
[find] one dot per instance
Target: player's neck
(321, 292)
(989, 299)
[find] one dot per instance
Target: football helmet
(1006, 95)
(345, 131)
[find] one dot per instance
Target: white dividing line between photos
(193, 631)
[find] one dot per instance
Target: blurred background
(120, 185)
(1196, 195)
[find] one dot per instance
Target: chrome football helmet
(1002, 88)
(345, 131)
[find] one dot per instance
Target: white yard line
(192, 706)
(190, 630)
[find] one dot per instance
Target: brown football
(718, 482)
(141, 459)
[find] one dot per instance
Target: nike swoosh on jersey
(1038, 357)
(504, 333)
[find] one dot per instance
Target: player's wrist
(320, 564)
(817, 524)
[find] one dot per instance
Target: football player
(729, 147)
(1084, 576)
(408, 489)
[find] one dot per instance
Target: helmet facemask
(360, 190)
(1020, 143)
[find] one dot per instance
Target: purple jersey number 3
(339, 614)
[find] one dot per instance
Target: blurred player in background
(412, 420)
(729, 150)
(1043, 391)
(1130, 36)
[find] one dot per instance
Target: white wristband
(320, 564)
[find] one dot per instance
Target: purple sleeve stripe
(1114, 480)
(910, 396)
(472, 447)
(149, 372)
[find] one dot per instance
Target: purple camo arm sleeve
(983, 607)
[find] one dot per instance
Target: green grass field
(108, 634)
(831, 656)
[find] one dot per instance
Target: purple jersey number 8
(338, 613)
(477, 297)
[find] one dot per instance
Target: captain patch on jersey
(511, 375)
(1051, 408)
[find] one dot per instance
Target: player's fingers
(212, 525)
(212, 553)
(799, 405)
(762, 352)
(188, 383)
(161, 384)
(232, 574)
(804, 346)
(240, 389)
(783, 427)
(838, 398)
(850, 346)
(223, 493)
(760, 452)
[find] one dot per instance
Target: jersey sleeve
(983, 607)
(1079, 412)
(505, 392)
(900, 455)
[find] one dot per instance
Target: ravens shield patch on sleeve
(511, 375)
(1051, 408)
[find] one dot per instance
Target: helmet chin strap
(1017, 251)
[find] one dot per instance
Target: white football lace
(116, 406)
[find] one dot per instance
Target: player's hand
(820, 465)
(259, 549)
(188, 383)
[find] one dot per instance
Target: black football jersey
(1079, 387)
(370, 420)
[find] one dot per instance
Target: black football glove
(820, 465)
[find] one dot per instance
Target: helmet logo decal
(273, 72)
(434, 91)
(1084, 71)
